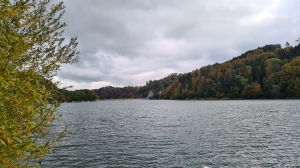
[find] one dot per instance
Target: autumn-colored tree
(272, 65)
(258, 51)
(256, 90)
(31, 51)
(251, 91)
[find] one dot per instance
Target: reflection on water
(144, 133)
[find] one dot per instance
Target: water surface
(161, 133)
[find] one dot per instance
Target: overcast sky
(129, 42)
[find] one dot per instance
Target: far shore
(225, 98)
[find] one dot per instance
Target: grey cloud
(135, 41)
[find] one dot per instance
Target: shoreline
(288, 98)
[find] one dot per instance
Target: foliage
(128, 92)
(77, 95)
(31, 51)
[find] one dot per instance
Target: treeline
(266, 72)
(128, 92)
(65, 95)
(131, 92)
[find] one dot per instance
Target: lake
(165, 133)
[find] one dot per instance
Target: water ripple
(178, 134)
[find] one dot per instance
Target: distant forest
(266, 72)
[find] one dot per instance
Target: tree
(272, 65)
(275, 91)
(251, 91)
(297, 87)
(298, 40)
(287, 44)
(31, 52)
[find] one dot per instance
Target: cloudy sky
(129, 42)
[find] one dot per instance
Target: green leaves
(30, 53)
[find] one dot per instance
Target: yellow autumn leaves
(31, 51)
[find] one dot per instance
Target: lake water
(162, 133)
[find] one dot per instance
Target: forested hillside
(266, 72)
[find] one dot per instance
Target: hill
(266, 72)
